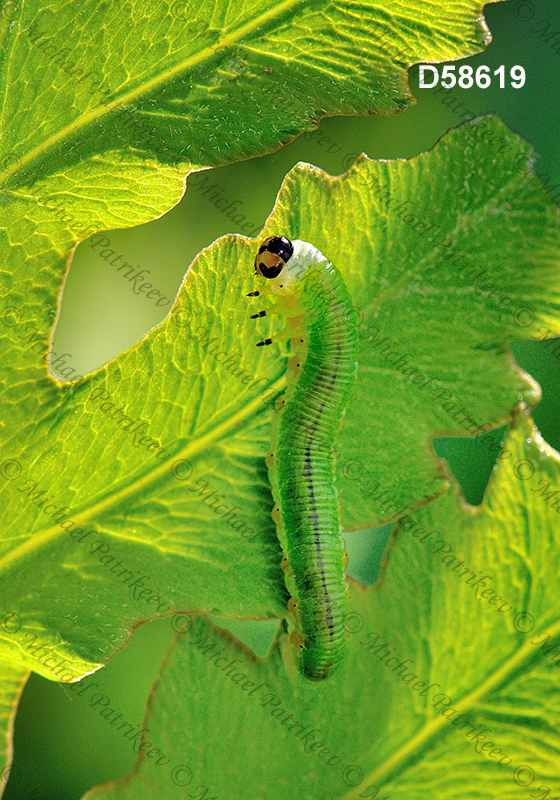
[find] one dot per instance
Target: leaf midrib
(40, 539)
(127, 97)
(420, 739)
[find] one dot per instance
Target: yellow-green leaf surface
(415, 714)
(86, 506)
(107, 106)
(417, 241)
(204, 85)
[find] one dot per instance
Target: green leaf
(149, 513)
(107, 106)
(495, 678)
(479, 223)
(418, 291)
(12, 681)
(205, 86)
(66, 455)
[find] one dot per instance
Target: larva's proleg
(311, 292)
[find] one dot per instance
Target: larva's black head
(273, 254)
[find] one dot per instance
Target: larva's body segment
(301, 463)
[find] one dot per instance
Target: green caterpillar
(322, 324)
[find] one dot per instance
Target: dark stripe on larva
(320, 562)
(303, 474)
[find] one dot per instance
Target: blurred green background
(62, 746)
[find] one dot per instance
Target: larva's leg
(289, 653)
(296, 641)
(293, 607)
(295, 364)
(280, 404)
(266, 290)
(275, 308)
(284, 336)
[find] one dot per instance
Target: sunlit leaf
(88, 510)
(450, 689)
